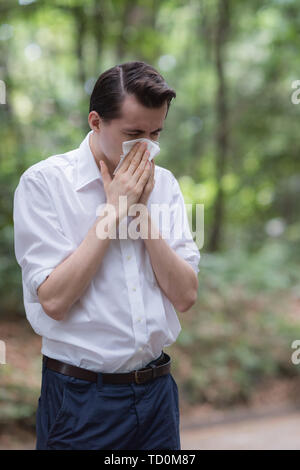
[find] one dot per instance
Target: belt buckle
(153, 375)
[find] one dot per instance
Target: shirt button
(140, 349)
(139, 319)
(134, 288)
(129, 256)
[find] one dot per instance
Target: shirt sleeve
(39, 242)
(181, 239)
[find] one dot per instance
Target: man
(104, 304)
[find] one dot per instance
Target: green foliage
(18, 403)
(243, 325)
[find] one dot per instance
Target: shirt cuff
(191, 257)
(36, 280)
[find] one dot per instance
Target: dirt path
(268, 433)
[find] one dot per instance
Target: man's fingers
(136, 159)
(105, 173)
(133, 158)
(151, 177)
(139, 160)
(141, 167)
(145, 175)
(153, 166)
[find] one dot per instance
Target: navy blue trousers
(74, 414)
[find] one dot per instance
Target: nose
(149, 138)
(152, 140)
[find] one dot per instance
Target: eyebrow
(139, 130)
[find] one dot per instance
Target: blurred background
(231, 139)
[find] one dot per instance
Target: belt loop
(99, 380)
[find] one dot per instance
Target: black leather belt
(160, 367)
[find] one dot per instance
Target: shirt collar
(87, 169)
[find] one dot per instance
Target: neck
(98, 155)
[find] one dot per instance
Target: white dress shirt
(123, 320)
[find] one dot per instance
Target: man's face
(136, 122)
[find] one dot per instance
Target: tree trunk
(221, 109)
(80, 25)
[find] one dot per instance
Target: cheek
(112, 148)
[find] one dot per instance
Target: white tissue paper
(153, 148)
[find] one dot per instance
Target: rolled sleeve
(39, 242)
(181, 239)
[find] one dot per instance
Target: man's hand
(129, 180)
(149, 186)
(146, 193)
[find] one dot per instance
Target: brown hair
(138, 78)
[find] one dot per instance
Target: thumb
(105, 173)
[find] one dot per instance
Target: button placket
(134, 293)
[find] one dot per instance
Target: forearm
(68, 280)
(175, 276)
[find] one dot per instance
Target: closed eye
(133, 135)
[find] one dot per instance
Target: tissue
(152, 146)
